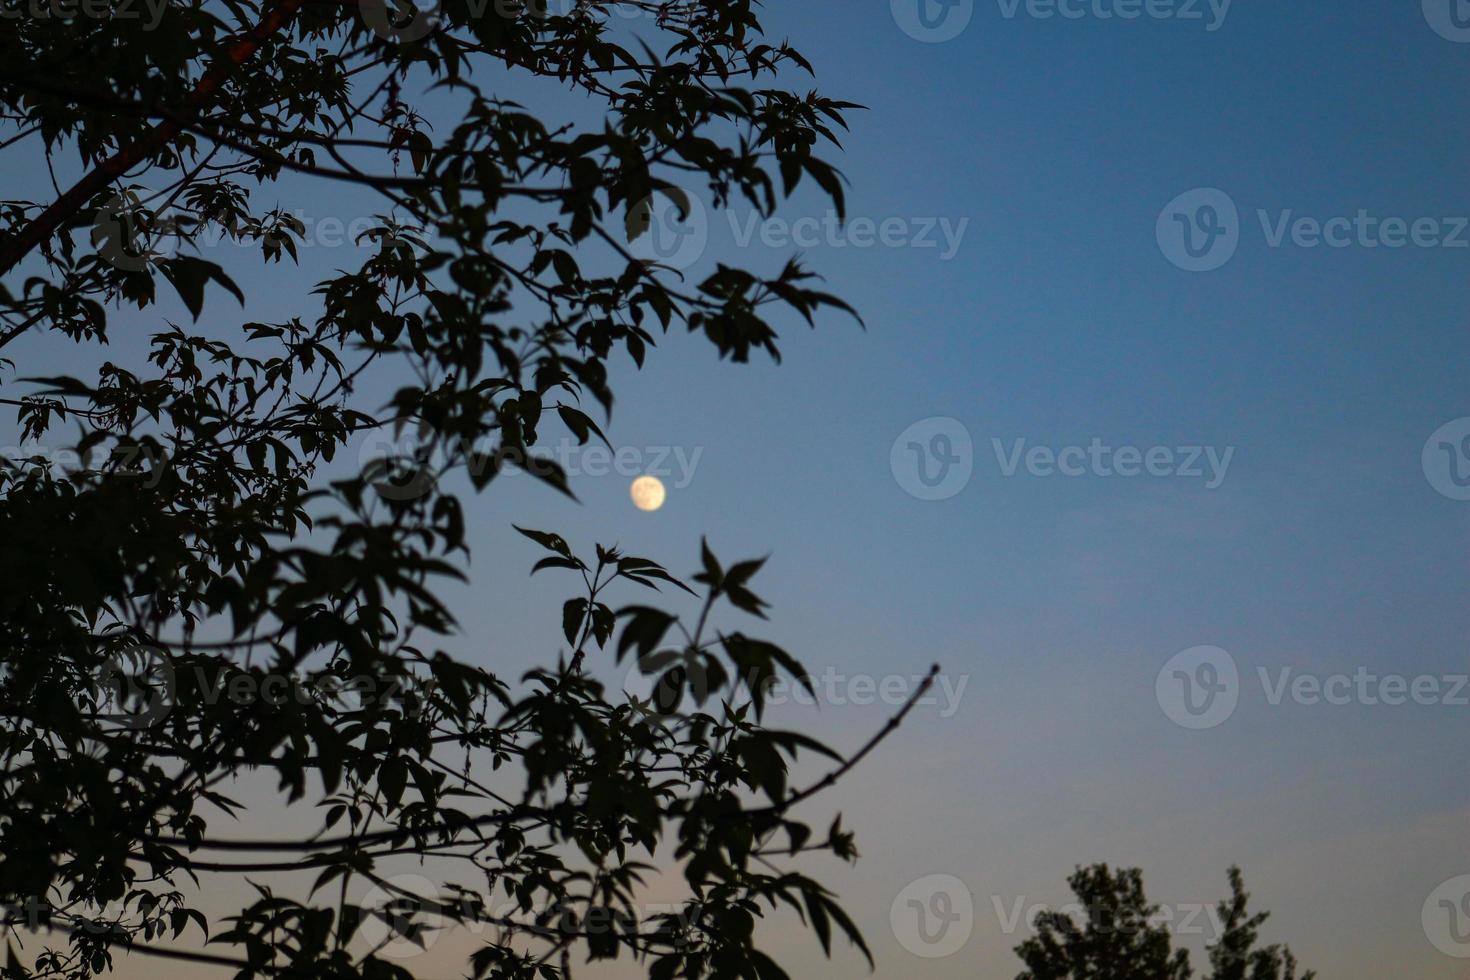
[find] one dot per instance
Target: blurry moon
(647, 493)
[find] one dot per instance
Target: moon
(647, 493)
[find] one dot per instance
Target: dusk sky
(1328, 547)
(1325, 548)
(1164, 349)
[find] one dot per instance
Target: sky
(1182, 518)
(1329, 547)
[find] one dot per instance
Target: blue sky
(1326, 549)
(1327, 546)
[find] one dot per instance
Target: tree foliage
(217, 536)
(1121, 935)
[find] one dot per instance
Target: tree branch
(872, 744)
(236, 54)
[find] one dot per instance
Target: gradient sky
(1325, 549)
(1057, 600)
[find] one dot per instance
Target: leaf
(189, 276)
(572, 563)
(645, 630)
(712, 574)
(547, 540)
(603, 621)
(640, 570)
(393, 778)
(573, 614)
(580, 424)
(550, 472)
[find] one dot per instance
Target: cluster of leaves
(205, 528)
(1121, 935)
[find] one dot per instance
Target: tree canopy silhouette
(1120, 935)
(216, 536)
